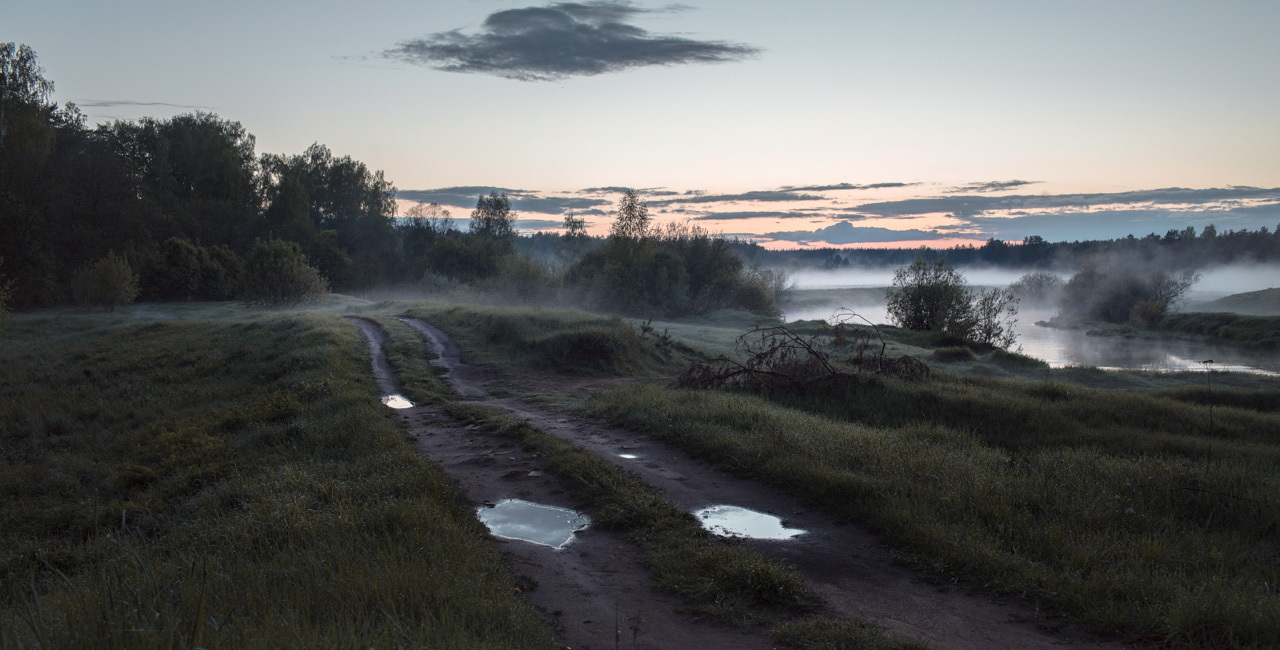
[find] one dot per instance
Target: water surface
(533, 522)
(733, 521)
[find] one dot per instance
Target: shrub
(277, 275)
(1120, 295)
(931, 296)
(109, 281)
(1038, 288)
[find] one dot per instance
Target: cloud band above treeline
(562, 39)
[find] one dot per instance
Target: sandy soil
(597, 575)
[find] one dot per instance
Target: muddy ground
(598, 591)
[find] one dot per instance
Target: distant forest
(1176, 249)
(186, 201)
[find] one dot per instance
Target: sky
(897, 122)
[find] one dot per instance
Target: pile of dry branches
(778, 358)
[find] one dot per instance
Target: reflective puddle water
(397, 401)
(532, 522)
(628, 456)
(732, 521)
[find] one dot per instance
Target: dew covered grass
(227, 482)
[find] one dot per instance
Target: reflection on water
(532, 522)
(732, 521)
(628, 456)
(1060, 348)
(396, 401)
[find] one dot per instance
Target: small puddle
(628, 456)
(532, 522)
(397, 401)
(732, 521)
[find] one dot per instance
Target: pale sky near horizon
(1077, 98)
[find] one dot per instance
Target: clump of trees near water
(189, 210)
(930, 295)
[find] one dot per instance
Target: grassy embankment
(1124, 509)
(229, 483)
(719, 578)
(1118, 505)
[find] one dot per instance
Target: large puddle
(397, 401)
(732, 521)
(532, 522)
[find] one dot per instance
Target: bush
(186, 271)
(931, 296)
(108, 282)
(1038, 288)
(278, 275)
(1120, 295)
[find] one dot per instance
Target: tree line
(185, 208)
(1176, 249)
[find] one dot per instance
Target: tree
(931, 296)
(493, 218)
(108, 282)
(993, 318)
(632, 220)
(1038, 287)
(277, 275)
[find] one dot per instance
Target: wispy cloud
(467, 195)
(764, 214)
(847, 233)
(976, 205)
(989, 186)
(845, 186)
(761, 196)
(562, 39)
(117, 103)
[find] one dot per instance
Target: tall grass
(571, 342)
(232, 483)
(1179, 547)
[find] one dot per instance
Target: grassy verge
(570, 342)
(1253, 331)
(1161, 544)
(231, 483)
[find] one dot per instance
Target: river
(1060, 348)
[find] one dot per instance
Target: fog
(882, 276)
(1238, 278)
(821, 292)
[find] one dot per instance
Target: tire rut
(595, 590)
(844, 563)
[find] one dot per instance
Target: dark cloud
(967, 206)
(845, 186)
(847, 233)
(466, 197)
(116, 103)
(990, 186)
(559, 40)
(763, 196)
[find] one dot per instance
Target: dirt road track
(843, 563)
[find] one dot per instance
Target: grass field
(230, 482)
(230, 479)
(1158, 530)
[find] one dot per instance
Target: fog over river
(1057, 347)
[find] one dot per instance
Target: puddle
(532, 522)
(628, 456)
(397, 401)
(732, 521)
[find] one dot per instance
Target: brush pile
(776, 358)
